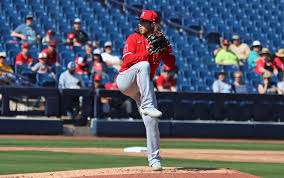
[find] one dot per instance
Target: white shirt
(281, 86)
(221, 87)
(110, 58)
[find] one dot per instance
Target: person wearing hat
(41, 67)
(136, 75)
(264, 64)
(109, 58)
(279, 59)
(49, 36)
(80, 37)
(238, 86)
(23, 57)
(267, 86)
(220, 85)
(242, 50)
(98, 64)
(254, 53)
(6, 71)
(88, 57)
(165, 81)
(226, 56)
(80, 66)
(52, 55)
(26, 32)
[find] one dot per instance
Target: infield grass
(15, 162)
(128, 143)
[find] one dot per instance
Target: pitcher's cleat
(157, 166)
(152, 112)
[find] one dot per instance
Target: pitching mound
(140, 172)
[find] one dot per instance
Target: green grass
(12, 162)
(127, 143)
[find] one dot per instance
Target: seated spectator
(88, 58)
(41, 67)
(238, 86)
(254, 54)
(220, 85)
(24, 58)
(80, 37)
(280, 85)
(279, 60)
(240, 49)
(109, 59)
(264, 64)
(80, 66)
(6, 71)
(267, 86)
(98, 65)
(98, 81)
(165, 81)
(49, 37)
(26, 32)
(226, 57)
(52, 55)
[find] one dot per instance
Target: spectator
(279, 60)
(98, 65)
(88, 58)
(26, 32)
(109, 59)
(98, 81)
(264, 64)
(240, 49)
(267, 86)
(226, 57)
(6, 71)
(220, 85)
(165, 81)
(280, 85)
(238, 86)
(80, 37)
(49, 37)
(52, 56)
(80, 66)
(254, 54)
(24, 58)
(41, 67)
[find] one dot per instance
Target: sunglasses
(98, 81)
(167, 71)
(3, 57)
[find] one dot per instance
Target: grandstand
(114, 20)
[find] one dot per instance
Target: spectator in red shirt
(165, 81)
(80, 66)
(279, 60)
(24, 57)
(52, 56)
(264, 63)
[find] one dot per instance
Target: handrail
(125, 6)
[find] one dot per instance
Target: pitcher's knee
(144, 65)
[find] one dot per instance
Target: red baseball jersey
(111, 86)
(51, 58)
(21, 59)
(166, 84)
(135, 50)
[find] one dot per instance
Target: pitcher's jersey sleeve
(168, 57)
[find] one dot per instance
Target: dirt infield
(140, 172)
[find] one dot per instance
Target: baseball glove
(157, 42)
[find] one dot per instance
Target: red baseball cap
(149, 15)
(98, 77)
(50, 32)
(52, 43)
(71, 36)
(226, 42)
(25, 45)
(80, 61)
(167, 68)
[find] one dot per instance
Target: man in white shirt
(109, 59)
(220, 86)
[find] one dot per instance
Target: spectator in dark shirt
(267, 86)
(238, 86)
(88, 58)
(80, 37)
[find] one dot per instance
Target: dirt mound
(139, 172)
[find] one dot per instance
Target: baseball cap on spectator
(71, 36)
(108, 43)
(98, 77)
(52, 43)
(97, 51)
(29, 16)
(235, 37)
(50, 32)
(167, 68)
(3, 54)
(256, 43)
(226, 43)
(149, 15)
(80, 61)
(25, 45)
(42, 56)
(89, 43)
(71, 65)
(77, 21)
(280, 53)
